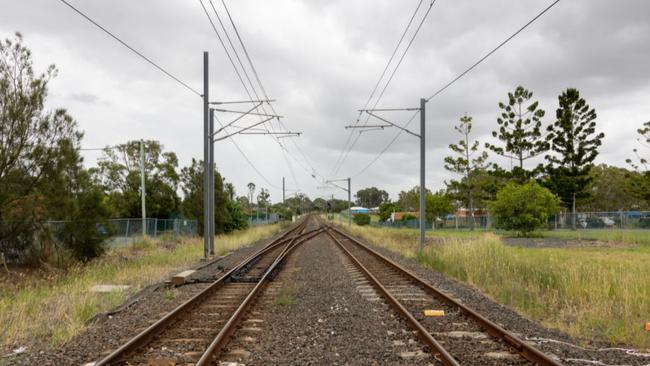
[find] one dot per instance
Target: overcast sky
(320, 61)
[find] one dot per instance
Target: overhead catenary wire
(454, 80)
(415, 33)
(232, 62)
(263, 90)
(372, 93)
(147, 59)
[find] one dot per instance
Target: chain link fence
(624, 220)
(263, 219)
(121, 232)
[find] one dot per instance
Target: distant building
(397, 216)
(359, 210)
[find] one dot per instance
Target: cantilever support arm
(238, 118)
(393, 124)
(240, 131)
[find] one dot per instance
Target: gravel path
(328, 320)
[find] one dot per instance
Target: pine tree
(574, 140)
(520, 131)
(466, 162)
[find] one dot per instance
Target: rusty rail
(524, 349)
(146, 335)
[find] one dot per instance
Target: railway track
(198, 329)
(461, 336)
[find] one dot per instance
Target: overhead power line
(372, 93)
(160, 68)
(492, 51)
(390, 79)
(443, 88)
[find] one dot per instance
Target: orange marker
(647, 327)
(434, 313)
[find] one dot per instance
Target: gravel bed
(330, 323)
(108, 332)
(551, 341)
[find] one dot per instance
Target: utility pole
(349, 190)
(349, 203)
(422, 173)
(283, 191)
(211, 181)
(143, 192)
(206, 158)
(421, 136)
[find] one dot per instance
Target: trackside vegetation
(52, 308)
(590, 293)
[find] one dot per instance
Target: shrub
(362, 219)
(409, 217)
(523, 208)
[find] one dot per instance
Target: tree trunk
(573, 211)
(471, 210)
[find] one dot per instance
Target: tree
(41, 176)
(520, 132)
(386, 209)
(263, 197)
(639, 182)
(438, 204)
(524, 208)
(228, 215)
(467, 163)
(609, 191)
(371, 197)
(410, 200)
(118, 171)
(574, 140)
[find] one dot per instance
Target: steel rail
(146, 335)
(437, 350)
(524, 349)
(221, 339)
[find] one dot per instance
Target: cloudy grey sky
(320, 60)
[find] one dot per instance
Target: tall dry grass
(54, 309)
(587, 292)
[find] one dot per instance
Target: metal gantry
(349, 190)
(421, 136)
(209, 138)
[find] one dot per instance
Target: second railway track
(459, 337)
(198, 329)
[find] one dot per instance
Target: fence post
(126, 235)
(155, 227)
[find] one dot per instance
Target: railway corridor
(315, 295)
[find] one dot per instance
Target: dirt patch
(562, 243)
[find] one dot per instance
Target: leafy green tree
(371, 197)
(467, 162)
(437, 205)
(228, 215)
(524, 208)
(386, 209)
(118, 171)
(263, 198)
(410, 200)
(520, 132)
(574, 142)
(41, 176)
(609, 191)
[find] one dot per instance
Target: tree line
(558, 157)
(43, 179)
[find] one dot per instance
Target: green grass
(612, 236)
(587, 292)
(48, 311)
(286, 296)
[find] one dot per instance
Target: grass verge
(50, 311)
(590, 293)
(613, 236)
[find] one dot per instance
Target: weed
(286, 296)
